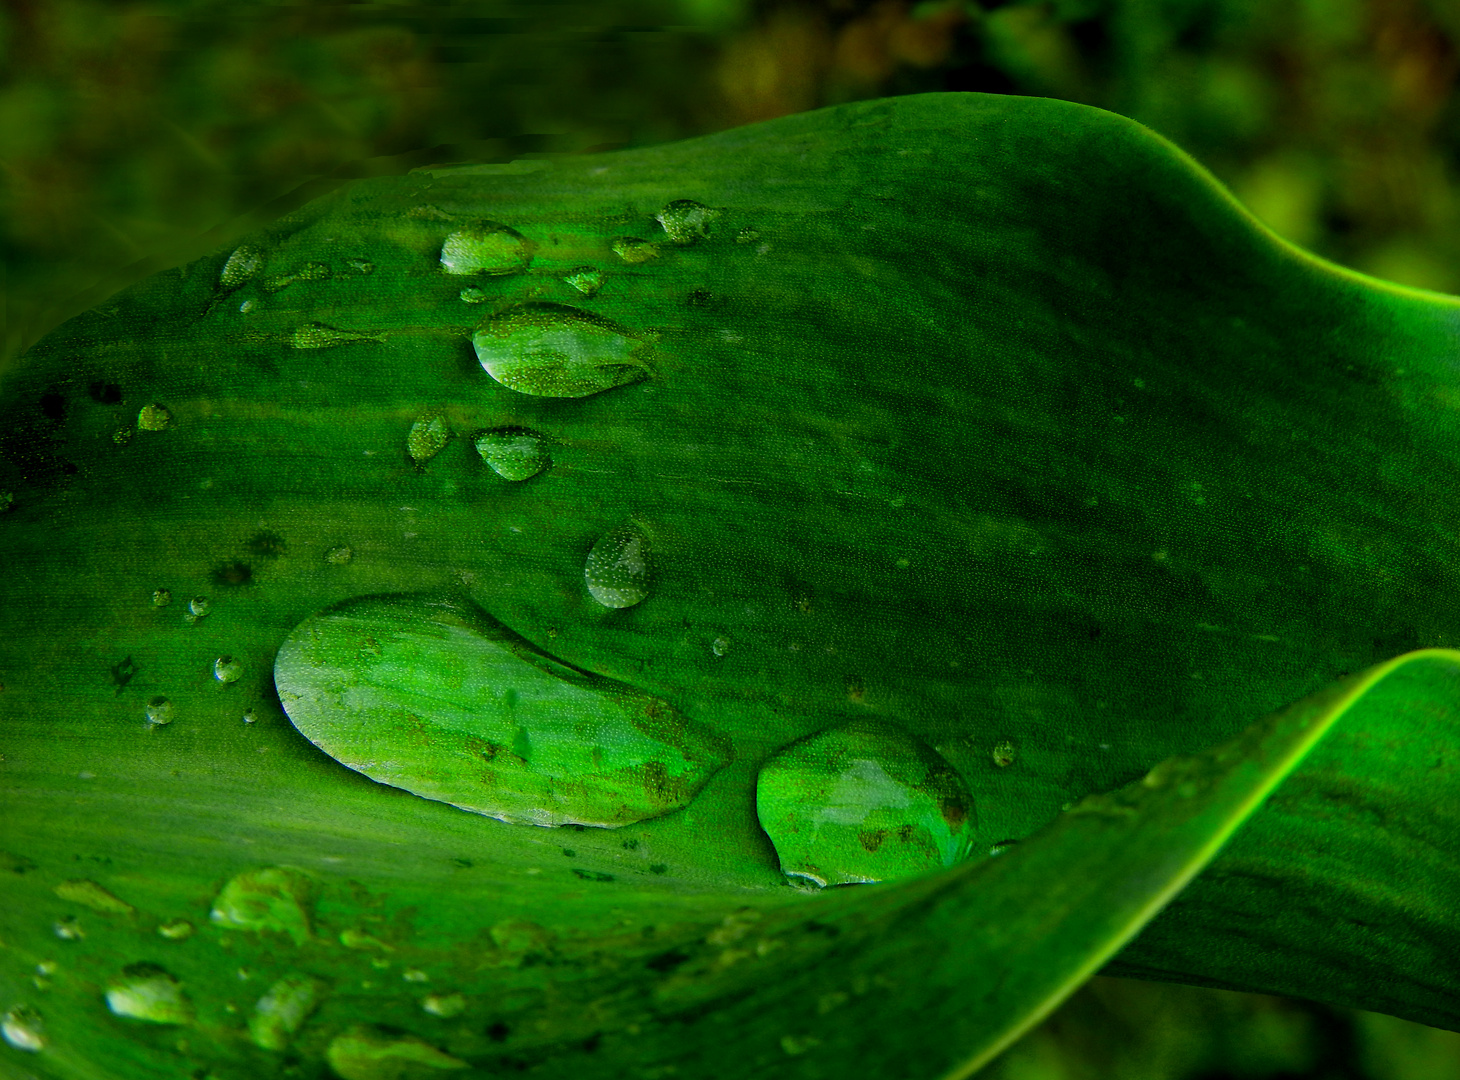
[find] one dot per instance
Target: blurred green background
(134, 136)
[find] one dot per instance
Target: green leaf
(992, 419)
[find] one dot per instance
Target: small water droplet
(551, 350)
(23, 1029)
(415, 975)
(160, 711)
(46, 968)
(247, 306)
(633, 250)
(352, 937)
(863, 801)
(361, 266)
(618, 570)
(445, 1006)
(161, 597)
(176, 930)
(486, 247)
(1002, 846)
(366, 1052)
(122, 436)
(686, 221)
(339, 556)
(227, 670)
(282, 1011)
(586, 279)
(514, 453)
(720, 646)
(319, 336)
(250, 717)
(474, 294)
(244, 263)
(747, 236)
(428, 437)
(154, 417)
(275, 899)
(147, 992)
(1003, 754)
(68, 929)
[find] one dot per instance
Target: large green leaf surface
(993, 418)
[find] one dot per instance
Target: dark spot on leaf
(269, 545)
(667, 961)
(232, 574)
(631, 845)
(15, 864)
(122, 672)
(53, 406)
(658, 868)
(105, 393)
(498, 1032)
(814, 927)
(700, 298)
(590, 1044)
(569, 852)
(577, 828)
(871, 839)
(592, 875)
(465, 864)
(953, 811)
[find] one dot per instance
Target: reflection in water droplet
(618, 569)
(319, 336)
(586, 279)
(686, 221)
(451, 705)
(486, 247)
(863, 801)
(445, 1006)
(633, 250)
(23, 1029)
(153, 417)
(274, 898)
(339, 556)
(282, 1011)
(1003, 754)
(428, 437)
(227, 670)
(244, 263)
(160, 711)
(147, 992)
(176, 930)
(514, 453)
(161, 597)
(551, 350)
(371, 1053)
(473, 294)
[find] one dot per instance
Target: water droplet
(312, 271)
(90, 894)
(451, 705)
(514, 453)
(686, 221)
(68, 929)
(1001, 847)
(415, 975)
(371, 1053)
(633, 250)
(427, 438)
(199, 606)
(282, 1010)
(23, 1029)
(247, 306)
(486, 247)
(227, 670)
(361, 266)
(244, 263)
(319, 336)
(863, 801)
(147, 992)
(474, 294)
(161, 597)
(275, 898)
(1004, 754)
(551, 350)
(176, 930)
(720, 646)
(153, 417)
(339, 556)
(747, 236)
(160, 711)
(618, 569)
(352, 937)
(586, 279)
(445, 1006)
(122, 436)
(250, 717)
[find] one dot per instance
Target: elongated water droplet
(147, 992)
(618, 571)
(154, 417)
(227, 670)
(445, 1006)
(274, 898)
(282, 1011)
(23, 1029)
(90, 894)
(370, 1053)
(863, 801)
(160, 711)
(428, 437)
(633, 250)
(176, 930)
(586, 279)
(433, 695)
(551, 350)
(486, 247)
(244, 263)
(686, 221)
(514, 453)
(319, 336)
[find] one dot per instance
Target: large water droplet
(147, 992)
(514, 453)
(686, 221)
(371, 1053)
(319, 336)
(154, 417)
(863, 801)
(282, 1011)
(428, 437)
(633, 250)
(274, 898)
(552, 350)
(618, 571)
(586, 279)
(23, 1029)
(449, 704)
(244, 263)
(486, 247)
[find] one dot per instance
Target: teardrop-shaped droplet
(552, 350)
(433, 695)
(863, 801)
(428, 437)
(586, 279)
(514, 453)
(365, 1052)
(686, 221)
(273, 898)
(147, 992)
(486, 247)
(618, 571)
(244, 263)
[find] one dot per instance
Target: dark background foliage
(136, 135)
